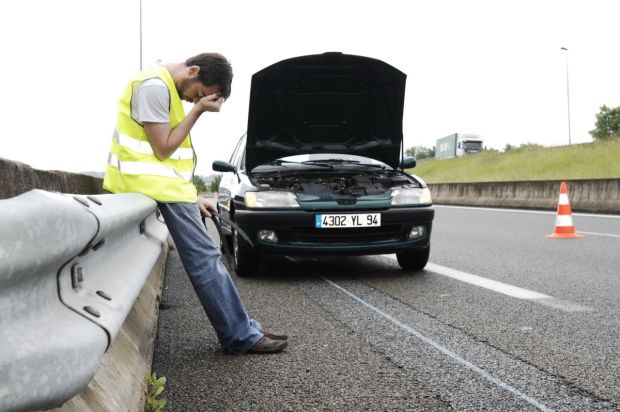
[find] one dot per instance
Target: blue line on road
(442, 349)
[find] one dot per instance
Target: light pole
(567, 94)
(140, 34)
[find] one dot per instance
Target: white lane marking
(494, 285)
(476, 369)
(505, 288)
(541, 212)
(598, 234)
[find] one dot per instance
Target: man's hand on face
(206, 207)
(210, 103)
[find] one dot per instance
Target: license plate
(322, 221)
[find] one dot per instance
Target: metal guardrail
(71, 268)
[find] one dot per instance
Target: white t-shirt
(150, 102)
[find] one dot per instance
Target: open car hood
(326, 103)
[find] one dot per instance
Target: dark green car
(321, 168)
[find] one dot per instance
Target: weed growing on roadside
(155, 386)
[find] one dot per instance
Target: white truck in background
(458, 145)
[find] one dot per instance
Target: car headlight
(270, 199)
(411, 196)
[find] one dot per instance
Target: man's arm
(164, 140)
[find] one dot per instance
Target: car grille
(349, 235)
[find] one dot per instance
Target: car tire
(245, 261)
(413, 260)
(226, 246)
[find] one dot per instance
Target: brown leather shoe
(268, 345)
(275, 336)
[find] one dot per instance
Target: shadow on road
(281, 268)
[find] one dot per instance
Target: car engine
(357, 184)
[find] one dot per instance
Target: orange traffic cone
(564, 228)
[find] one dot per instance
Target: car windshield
(329, 159)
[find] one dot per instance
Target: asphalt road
(502, 319)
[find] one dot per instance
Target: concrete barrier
(593, 195)
(17, 178)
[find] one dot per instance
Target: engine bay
(349, 184)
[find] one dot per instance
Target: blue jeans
(212, 283)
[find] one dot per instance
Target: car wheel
(245, 260)
(413, 260)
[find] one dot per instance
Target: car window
(241, 156)
(233, 156)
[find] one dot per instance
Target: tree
(200, 184)
(530, 146)
(607, 123)
(522, 146)
(420, 152)
(215, 182)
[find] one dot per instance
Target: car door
(229, 185)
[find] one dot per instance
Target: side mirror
(222, 166)
(409, 162)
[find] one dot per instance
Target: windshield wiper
(317, 163)
(280, 161)
(374, 166)
(329, 162)
(307, 162)
(337, 161)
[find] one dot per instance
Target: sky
(492, 68)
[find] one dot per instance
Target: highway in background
(501, 319)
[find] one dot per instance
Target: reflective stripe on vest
(145, 168)
(140, 146)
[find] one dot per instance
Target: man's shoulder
(152, 89)
(151, 102)
(154, 82)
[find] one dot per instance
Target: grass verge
(597, 160)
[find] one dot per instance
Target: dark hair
(214, 69)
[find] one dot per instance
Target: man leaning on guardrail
(152, 153)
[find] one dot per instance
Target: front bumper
(297, 235)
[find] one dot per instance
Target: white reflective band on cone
(145, 168)
(564, 220)
(140, 146)
(563, 199)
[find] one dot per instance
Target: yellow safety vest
(132, 165)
